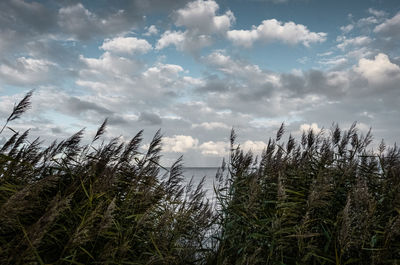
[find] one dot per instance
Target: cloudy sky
(196, 69)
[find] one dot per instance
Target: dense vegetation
(326, 199)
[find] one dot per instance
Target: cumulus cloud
(377, 13)
(128, 45)
(179, 143)
(211, 125)
(183, 41)
(26, 71)
(313, 126)
(274, 30)
(127, 84)
(152, 30)
(254, 146)
(214, 148)
(240, 69)
(378, 70)
(200, 16)
(357, 41)
(390, 27)
(367, 21)
(78, 21)
(109, 65)
(347, 28)
(201, 23)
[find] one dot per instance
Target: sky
(197, 69)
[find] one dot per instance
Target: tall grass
(325, 199)
(97, 203)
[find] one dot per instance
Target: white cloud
(255, 146)
(325, 53)
(77, 20)
(357, 41)
(211, 125)
(127, 85)
(194, 81)
(274, 30)
(379, 70)
(360, 52)
(212, 148)
(163, 69)
(221, 148)
(200, 16)
(303, 60)
(313, 126)
(168, 38)
(26, 71)
(79, 23)
(179, 143)
(377, 13)
(240, 69)
(201, 25)
(95, 86)
(390, 27)
(128, 45)
(366, 21)
(183, 41)
(107, 65)
(334, 61)
(152, 30)
(347, 29)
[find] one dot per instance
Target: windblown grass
(97, 203)
(326, 199)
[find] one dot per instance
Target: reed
(98, 203)
(324, 199)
